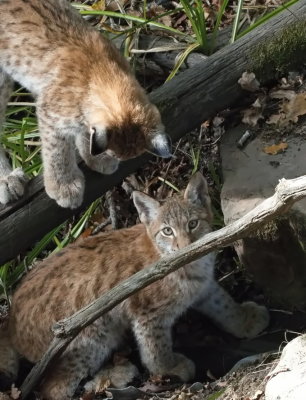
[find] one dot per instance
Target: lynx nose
(161, 145)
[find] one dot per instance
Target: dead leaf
(282, 94)
(249, 82)
(252, 115)
(276, 119)
(295, 107)
(157, 10)
(217, 126)
(276, 148)
(15, 393)
(99, 5)
(86, 233)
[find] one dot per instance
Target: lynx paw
(69, 193)
(103, 163)
(183, 368)
(12, 186)
(255, 318)
(117, 376)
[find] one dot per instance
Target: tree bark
(185, 102)
(286, 194)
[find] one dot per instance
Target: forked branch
(286, 194)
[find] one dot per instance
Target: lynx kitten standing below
(80, 273)
(86, 97)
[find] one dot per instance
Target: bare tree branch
(286, 194)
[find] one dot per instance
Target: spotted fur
(84, 90)
(83, 271)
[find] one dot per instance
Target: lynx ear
(161, 145)
(197, 192)
(98, 141)
(146, 206)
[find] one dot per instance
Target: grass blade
(266, 18)
(181, 59)
(236, 21)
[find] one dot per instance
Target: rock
(288, 379)
(274, 255)
(196, 387)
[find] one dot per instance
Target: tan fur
(74, 277)
(82, 85)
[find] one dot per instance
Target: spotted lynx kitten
(77, 275)
(86, 96)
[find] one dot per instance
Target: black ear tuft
(97, 142)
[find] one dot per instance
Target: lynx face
(125, 126)
(176, 224)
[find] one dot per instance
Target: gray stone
(196, 387)
(274, 255)
(288, 380)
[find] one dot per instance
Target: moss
(285, 51)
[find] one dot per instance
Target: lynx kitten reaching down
(86, 96)
(77, 275)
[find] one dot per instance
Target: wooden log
(185, 101)
(286, 194)
(152, 45)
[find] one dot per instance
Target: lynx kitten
(77, 275)
(86, 96)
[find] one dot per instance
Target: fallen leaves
(252, 115)
(276, 148)
(14, 395)
(290, 104)
(295, 107)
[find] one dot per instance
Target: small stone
(196, 387)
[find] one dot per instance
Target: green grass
(198, 40)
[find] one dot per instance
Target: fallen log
(185, 101)
(286, 194)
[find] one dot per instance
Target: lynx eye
(193, 224)
(167, 231)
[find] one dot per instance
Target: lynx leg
(155, 344)
(64, 181)
(9, 362)
(103, 163)
(11, 182)
(83, 357)
(244, 320)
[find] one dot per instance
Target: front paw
(183, 367)
(117, 375)
(68, 192)
(103, 163)
(255, 318)
(12, 186)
